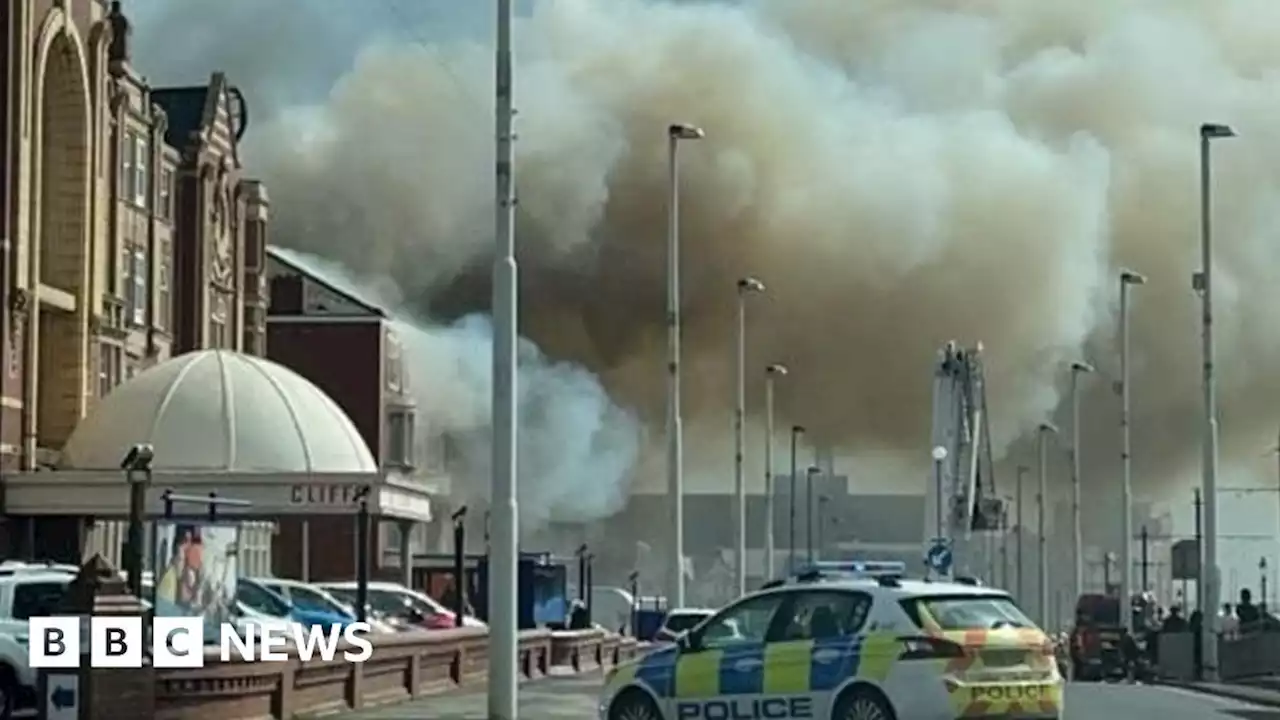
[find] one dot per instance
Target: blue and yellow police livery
(848, 648)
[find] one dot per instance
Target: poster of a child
(196, 570)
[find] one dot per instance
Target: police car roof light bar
(861, 568)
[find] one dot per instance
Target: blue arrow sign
(938, 557)
(63, 697)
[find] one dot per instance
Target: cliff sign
(341, 495)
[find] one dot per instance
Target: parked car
(256, 596)
(680, 621)
(24, 595)
(399, 601)
(312, 598)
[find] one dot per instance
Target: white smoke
(577, 448)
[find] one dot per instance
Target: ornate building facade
(130, 232)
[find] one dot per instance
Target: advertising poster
(195, 571)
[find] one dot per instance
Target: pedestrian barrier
(1248, 655)
(404, 666)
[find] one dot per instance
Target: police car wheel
(634, 705)
(863, 705)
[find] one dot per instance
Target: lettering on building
(344, 495)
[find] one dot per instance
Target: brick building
(350, 349)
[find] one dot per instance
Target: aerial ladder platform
(961, 500)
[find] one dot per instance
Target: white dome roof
(220, 411)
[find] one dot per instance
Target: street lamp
(1128, 279)
(1203, 281)
(1077, 534)
(675, 447)
(939, 457)
(808, 513)
(1022, 589)
(771, 373)
(504, 498)
(1042, 497)
(796, 432)
(137, 460)
(747, 286)
(1262, 581)
(823, 501)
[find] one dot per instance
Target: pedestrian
(1230, 623)
(1247, 613)
(1197, 641)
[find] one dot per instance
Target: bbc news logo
(178, 642)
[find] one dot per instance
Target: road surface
(574, 699)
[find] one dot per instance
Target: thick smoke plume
(577, 449)
(899, 174)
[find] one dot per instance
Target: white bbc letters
(177, 642)
(116, 642)
(54, 642)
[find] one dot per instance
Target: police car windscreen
(965, 612)
(680, 622)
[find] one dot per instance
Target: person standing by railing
(1230, 623)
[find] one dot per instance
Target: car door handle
(747, 665)
(827, 656)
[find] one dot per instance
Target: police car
(848, 645)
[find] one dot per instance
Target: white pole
(1077, 533)
(1127, 279)
(770, 491)
(1211, 581)
(739, 412)
(504, 513)
(1018, 582)
(1042, 499)
(675, 449)
(746, 286)
(675, 430)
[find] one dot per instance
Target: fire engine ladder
(967, 480)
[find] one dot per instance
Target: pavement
(559, 698)
(1260, 691)
(574, 698)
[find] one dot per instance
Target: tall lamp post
(1018, 580)
(675, 431)
(940, 528)
(771, 374)
(746, 287)
(1077, 534)
(796, 432)
(1128, 279)
(503, 504)
(813, 472)
(1042, 500)
(1203, 281)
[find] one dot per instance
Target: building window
(141, 165)
(141, 288)
(164, 297)
(109, 359)
(400, 438)
(128, 180)
(393, 363)
(126, 276)
(166, 194)
(254, 548)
